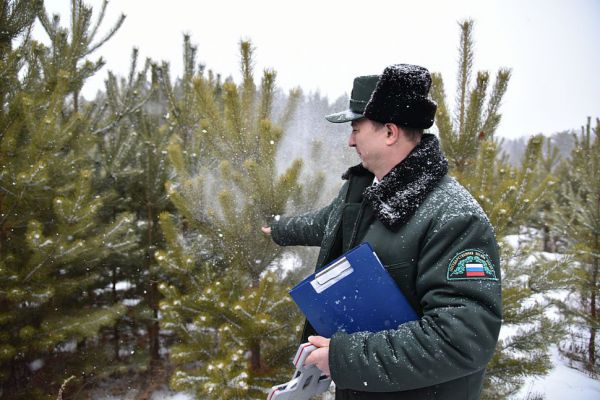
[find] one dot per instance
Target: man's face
(369, 141)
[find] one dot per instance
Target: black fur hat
(401, 97)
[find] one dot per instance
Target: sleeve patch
(471, 264)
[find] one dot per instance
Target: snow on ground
(563, 382)
(158, 395)
(164, 395)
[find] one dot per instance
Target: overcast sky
(552, 46)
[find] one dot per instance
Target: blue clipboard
(354, 293)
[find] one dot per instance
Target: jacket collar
(400, 193)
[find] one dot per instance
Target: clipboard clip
(331, 275)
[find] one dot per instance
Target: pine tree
(76, 44)
(310, 136)
(542, 219)
(227, 302)
(52, 236)
(144, 134)
(577, 222)
(523, 351)
(473, 121)
(508, 195)
(131, 159)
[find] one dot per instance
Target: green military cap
(361, 94)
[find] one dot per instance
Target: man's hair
(413, 134)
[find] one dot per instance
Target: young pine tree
(52, 236)
(474, 121)
(542, 218)
(577, 216)
(507, 194)
(131, 159)
(229, 307)
(312, 137)
(144, 134)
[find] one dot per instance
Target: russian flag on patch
(475, 269)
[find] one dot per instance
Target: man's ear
(392, 132)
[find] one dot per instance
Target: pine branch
(291, 106)
(465, 66)
(492, 116)
(106, 37)
(267, 88)
(472, 127)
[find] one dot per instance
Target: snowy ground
(171, 396)
(159, 395)
(562, 383)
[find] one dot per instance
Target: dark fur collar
(400, 193)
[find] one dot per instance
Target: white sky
(552, 46)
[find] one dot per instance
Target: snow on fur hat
(401, 97)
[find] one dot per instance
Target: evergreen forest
(131, 256)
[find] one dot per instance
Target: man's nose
(351, 141)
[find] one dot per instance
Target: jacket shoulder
(450, 200)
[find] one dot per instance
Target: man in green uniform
(431, 235)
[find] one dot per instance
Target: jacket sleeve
(305, 229)
(456, 335)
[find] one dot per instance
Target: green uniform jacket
(443, 355)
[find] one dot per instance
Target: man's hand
(266, 230)
(320, 356)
